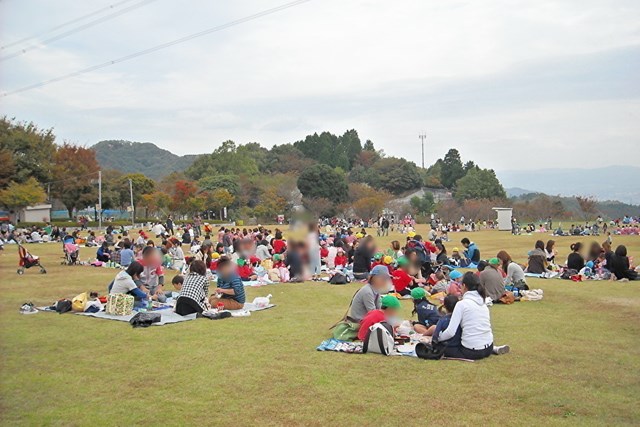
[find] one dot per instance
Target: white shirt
(472, 314)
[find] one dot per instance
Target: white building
(504, 218)
(37, 213)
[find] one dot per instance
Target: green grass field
(575, 359)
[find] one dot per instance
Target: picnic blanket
(167, 317)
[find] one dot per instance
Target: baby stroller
(27, 260)
(71, 254)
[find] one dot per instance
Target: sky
(511, 84)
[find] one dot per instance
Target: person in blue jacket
(449, 304)
(471, 253)
(428, 314)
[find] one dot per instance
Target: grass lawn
(575, 358)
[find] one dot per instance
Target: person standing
(170, 225)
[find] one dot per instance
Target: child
(177, 282)
(341, 259)
(213, 266)
(450, 302)
(402, 281)
(441, 284)
(428, 315)
(377, 260)
(388, 312)
(455, 258)
(167, 261)
(245, 271)
(126, 255)
(455, 287)
(388, 260)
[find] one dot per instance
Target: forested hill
(140, 157)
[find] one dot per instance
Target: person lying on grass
(230, 290)
(388, 312)
(472, 315)
(428, 314)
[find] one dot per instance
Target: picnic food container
(120, 304)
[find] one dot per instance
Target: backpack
(420, 250)
(339, 279)
(379, 339)
(430, 351)
(62, 306)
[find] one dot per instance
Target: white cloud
(473, 74)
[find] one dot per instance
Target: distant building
(504, 218)
(37, 213)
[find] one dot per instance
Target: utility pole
(422, 137)
(133, 217)
(99, 200)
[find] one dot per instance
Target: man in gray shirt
(368, 297)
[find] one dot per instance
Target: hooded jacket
(472, 314)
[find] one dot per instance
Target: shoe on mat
(501, 349)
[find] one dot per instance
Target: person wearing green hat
(428, 314)
(492, 281)
(388, 312)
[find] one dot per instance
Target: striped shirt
(236, 284)
(196, 287)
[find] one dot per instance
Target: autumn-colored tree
(271, 204)
(219, 199)
(319, 206)
(154, 202)
(588, 206)
(20, 195)
(74, 173)
(182, 191)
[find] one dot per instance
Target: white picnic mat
(167, 317)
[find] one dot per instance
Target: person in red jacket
(341, 259)
(245, 271)
(388, 312)
(402, 281)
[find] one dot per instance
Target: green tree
(321, 181)
(452, 169)
(32, 150)
(479, 184)
(423, 205)
(368, 146)
(397, 175)
(214, 182)
(219, 199)
(228, 159)
(20, 195)
(140, 185)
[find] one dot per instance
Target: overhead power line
(65, 24)
(42, 43)
(158, 47)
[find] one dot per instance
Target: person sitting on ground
(594, 252)
(262, 250)
(514, 274)
(537, 259)
(152, 278)
(448, 305)
(442, 257)
(471, 253)
(441, 284)
(126, 254)
(455, 286)
(362, 258)
(230, 290)
(455, 258)
(104, 253)
(575, 260)
(388, 312)
(492, 281)
(245, 270)
(177, 282)
(551, 252)
(125, 282)
(472, 315)
(194, 291)
(402, 281)
(428, 314)
(619, 265)
(340, 260)
(368, 297)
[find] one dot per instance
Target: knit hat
(402, 261)
(418, 293)
(455, 274)
(494, 261)
(387, 259)
(390, 301)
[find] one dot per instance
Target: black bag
(430, 351)
(566, 274)
(63, 305)
(216, 316)
(144, 320)
(339, 279)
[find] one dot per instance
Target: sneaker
(28, 308)
(501, 349)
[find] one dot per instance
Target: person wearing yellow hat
(411, 234)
